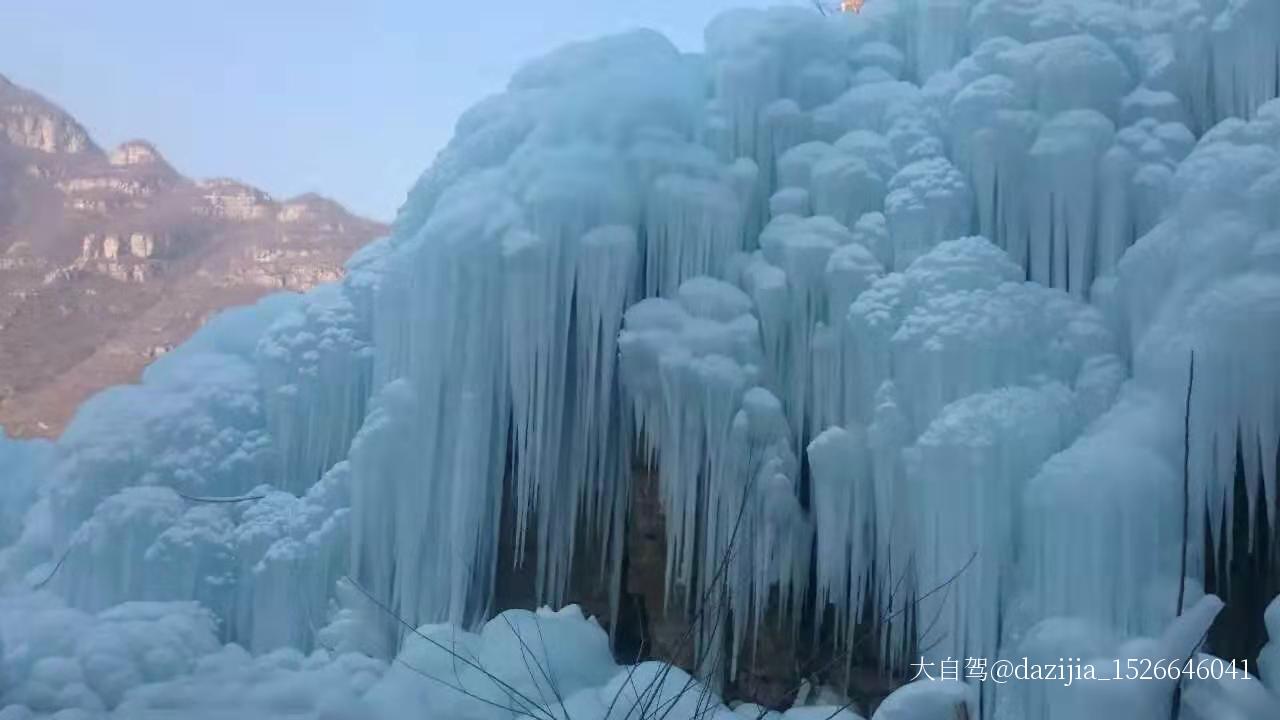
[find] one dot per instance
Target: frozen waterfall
(895, 310)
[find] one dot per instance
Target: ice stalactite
(1108, 554)
(1228, 58)
(1064, 204)
(704, 345)
(761, 91)
(843, 490)
(726, 469)
(606, 282)
(759, 58)
(843, 181)
(429, 483)
(1055, 185)
(932, 43)
(888, 107)
(795, 282)
(250, 561)
(692, 225)
(1204, 280)
(1100, 539)
(1136, 175)
(851, 270)
(978, 452)
(992, 132)
(292, 551)
(318, 364)
(931, 351)
(516, 286)
(928, 202)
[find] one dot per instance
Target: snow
(929, 700)
(1269, 661)
(898, 307)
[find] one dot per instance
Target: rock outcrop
(108, 257)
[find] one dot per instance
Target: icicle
(936, 35)
(693, 228)
(1229, 58)
(1101, 542)
(1064, 199)
(316, 364)
(928, 202)
(964, 476)
(725, 466)
(843, 515)
(992, 133)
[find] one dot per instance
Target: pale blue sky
(348, 98)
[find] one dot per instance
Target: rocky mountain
(109, 258)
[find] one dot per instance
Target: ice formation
(899, 307)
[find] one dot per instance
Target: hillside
(108, 259)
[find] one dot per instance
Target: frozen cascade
(928, 202)
(1228, 58)
(1064, 163)
(318, 363)
(711, 264)
(1111, 562)
(120, 515)
(726, 468)
(806, 268)
(978, 451)
(1206, 274)
(515, 288)
(1136, 179)
(931, 353)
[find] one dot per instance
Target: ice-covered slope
(900, 307)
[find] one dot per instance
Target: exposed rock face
(28, 121)
(107, 259)
(135, 152)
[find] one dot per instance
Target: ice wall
(24, 465)
(899, 306)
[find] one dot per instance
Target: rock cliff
(108, 258)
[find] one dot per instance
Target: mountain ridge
(108, 257)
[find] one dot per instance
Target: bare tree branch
(221, 500)
(1186, 482)
(1176, 709)
(40, 585)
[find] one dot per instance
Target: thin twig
(1176, 709)
(435, 643)
(885, 620)
(40, 585)
(221, 500)
(1186, 482)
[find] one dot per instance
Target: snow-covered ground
(957, 254)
